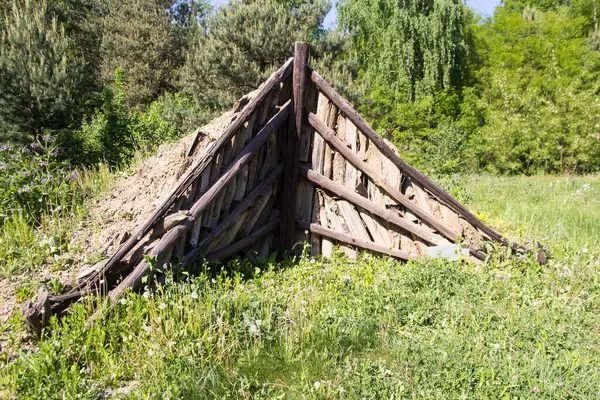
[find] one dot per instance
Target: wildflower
(253, 329)
(43, 164)
(27, 173)
(586, 186)
(162, 306)
(50, 139)
(3, 167)
(317, 385)
(150, 352)
(33, 145)
(194, 295)
(123, 301)
(584, 250)
(4, 147)
(534, 389)
(72, 177)
(25, 150)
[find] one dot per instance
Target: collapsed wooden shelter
(297, 163)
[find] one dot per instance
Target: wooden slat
(379, 180)
(374, 208)
(232, 249)
(415, 174)
(274, 80)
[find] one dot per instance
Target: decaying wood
(235, 213)
(37, 315)
(274, 81)
(372, 207)
(377, 178)
(415, 174)
(292, 151)
(232, 249)
(363, 244)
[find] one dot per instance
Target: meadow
(353, 329)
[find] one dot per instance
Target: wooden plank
(415, 174)
(292, 152)
(378, 179)
(232, 249)
(241, 139)
(336, 223)
(379, 233)
(363, 244)
(374, 208)
(172, 236)
(193, 173)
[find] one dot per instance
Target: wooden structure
(296, 164)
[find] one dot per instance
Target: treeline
(516, 93)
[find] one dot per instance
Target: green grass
(372, 328)
(558, 211)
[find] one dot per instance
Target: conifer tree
(39, 80)
(243, 43)
(138, 39)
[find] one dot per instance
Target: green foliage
(243, 43)
(116, 133)
(33, 181)
(539, 80)
(39, 78)
(411, 48)
(138, 38)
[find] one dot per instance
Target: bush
(34, 181)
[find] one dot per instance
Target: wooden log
(292, 152)
(415, 174)
(378, 179)
(240, 141)
(372, 207)
(360, 243)
(274, 80)
(236, 212)
(232, 249)
(134, 278)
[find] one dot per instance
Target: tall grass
(26, 246)
(563, 212)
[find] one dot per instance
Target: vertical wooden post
(292, 152)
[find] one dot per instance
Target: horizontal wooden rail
(329, 135)
(352, 241)
(372, 207)
(346, 108)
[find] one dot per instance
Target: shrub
(33, 180)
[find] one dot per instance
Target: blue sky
(485, 7)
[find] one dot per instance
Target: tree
(243, 43)
(411, 47)
(138, 38)
(39, 79)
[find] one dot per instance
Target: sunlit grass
(558, 211)
(373, 328)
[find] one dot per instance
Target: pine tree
(38, 77)
(138, 38)
(243, 43)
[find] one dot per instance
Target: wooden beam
(372, 207)
(232, 249)
(379, 180)
(363, 244)
(263, 93)
(234, 215)
(133, 280)
(415, 174)
(292, 152)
